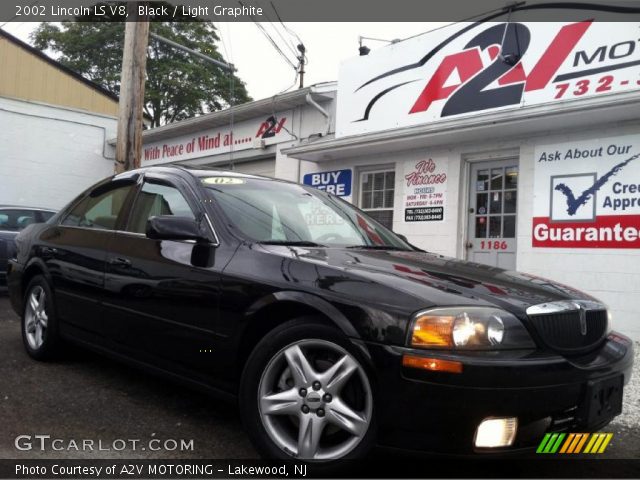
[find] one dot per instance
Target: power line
(271, 40)
(291, 32)
(300, 47)
(224, 46)
(232, 102)
(275, 45)
(289, 44)
(295, 80)
(504, 9)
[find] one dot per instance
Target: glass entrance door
(493, 213)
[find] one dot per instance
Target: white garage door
(266, 168)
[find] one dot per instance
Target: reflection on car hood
(420, 273)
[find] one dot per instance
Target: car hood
(439, 280)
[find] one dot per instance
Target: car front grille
(564, 332)
(565, 420)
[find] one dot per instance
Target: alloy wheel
(315, 400)
(36, 318)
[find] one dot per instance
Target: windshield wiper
(377, 247)
(292, 243)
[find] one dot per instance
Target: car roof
(209, 172)
(196, 172)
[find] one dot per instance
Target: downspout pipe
(324, 113)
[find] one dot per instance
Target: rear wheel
(306, 395)
(39, 327)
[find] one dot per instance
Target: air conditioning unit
(258, 143)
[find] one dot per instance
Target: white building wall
(48, 155)
(310, 125)
(611, 275)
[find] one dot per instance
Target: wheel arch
(280, 307)
(34, 267)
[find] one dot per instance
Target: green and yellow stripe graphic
(574, 443)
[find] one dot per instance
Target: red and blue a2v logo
(484, 67)
(506, 44)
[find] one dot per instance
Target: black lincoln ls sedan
(332, 333)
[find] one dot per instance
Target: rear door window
(99, 210)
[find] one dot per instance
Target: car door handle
(122, 262)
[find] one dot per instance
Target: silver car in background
(13, 219)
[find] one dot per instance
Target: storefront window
(376, 195)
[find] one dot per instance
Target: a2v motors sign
(474, 68)
(337, 182)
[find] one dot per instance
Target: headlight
(468, 328)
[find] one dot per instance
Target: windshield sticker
(223, 181)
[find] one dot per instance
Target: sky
(262, 68)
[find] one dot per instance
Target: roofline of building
(343, 147)
(321, 92)
(59, 66)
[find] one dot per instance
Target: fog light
(496, 432)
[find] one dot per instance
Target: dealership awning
(503, 126)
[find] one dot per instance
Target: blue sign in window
(337, 182)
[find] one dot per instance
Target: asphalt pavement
(85, 397)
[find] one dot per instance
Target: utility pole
(302, 59)
(134, 64)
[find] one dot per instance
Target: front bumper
(439, 412)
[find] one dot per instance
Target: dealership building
(54, 127)
(514, 145)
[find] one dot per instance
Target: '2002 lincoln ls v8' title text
(332, 332)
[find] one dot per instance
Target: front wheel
(305, 395)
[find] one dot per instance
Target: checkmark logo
(574, 203)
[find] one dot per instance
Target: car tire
(274, 410)
(39, 322)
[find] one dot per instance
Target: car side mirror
(402, 237)
(171, 227)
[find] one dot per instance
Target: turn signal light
(432, 331)
(432, 364)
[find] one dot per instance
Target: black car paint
(193, 311)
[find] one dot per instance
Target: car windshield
(274, 212)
